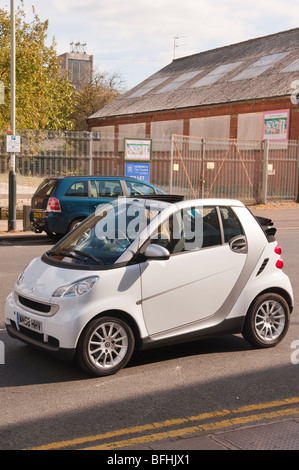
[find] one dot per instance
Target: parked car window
(135, 188)
(107, 188)
(45, 188)
(190, 229)
(231, 224)
(78, 189)
(93, 189)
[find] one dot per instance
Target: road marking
(190, 430)
(176, 422)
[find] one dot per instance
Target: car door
(75, 202)
(196, 280)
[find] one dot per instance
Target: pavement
(273, 435)
(274, 430)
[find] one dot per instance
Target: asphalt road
(45, 402)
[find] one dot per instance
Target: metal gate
(253, 171)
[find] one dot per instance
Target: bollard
(26, 221)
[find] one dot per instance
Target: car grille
(40, 308)
(33, 305)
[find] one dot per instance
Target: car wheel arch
(268, 318)
(120, 315)
(76, 221)
(274, 290)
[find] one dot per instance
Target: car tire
(106, 346)
(74, 224)
(267, 321)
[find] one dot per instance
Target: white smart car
(141, 273)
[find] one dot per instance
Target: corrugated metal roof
(255, 69)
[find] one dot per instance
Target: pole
(265, 172)
(171, 165)
(90, 172)
(12, 173)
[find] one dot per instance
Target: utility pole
(12, 173)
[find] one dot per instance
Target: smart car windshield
(104, 236)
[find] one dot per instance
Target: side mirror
(156, 252)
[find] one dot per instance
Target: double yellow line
(182, 431)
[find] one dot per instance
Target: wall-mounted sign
(138, 149)
(276, 125)
(140, 171)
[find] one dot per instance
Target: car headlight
(21, 275)
(76, 288)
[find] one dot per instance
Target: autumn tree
(95, 91)
(43, 95)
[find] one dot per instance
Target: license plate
(28, 322)
(37, 215)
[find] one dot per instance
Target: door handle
(238, 244)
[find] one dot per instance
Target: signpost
(12, 173)
(1, 92)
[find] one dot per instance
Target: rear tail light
(279, 262)
(53, 205)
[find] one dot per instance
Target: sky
(136, 38)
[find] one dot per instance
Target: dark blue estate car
(59, 204)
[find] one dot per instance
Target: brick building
(224, 93)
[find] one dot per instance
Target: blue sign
(140, 171)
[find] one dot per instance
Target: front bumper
(38, 340)
(50, 337)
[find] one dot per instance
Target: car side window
(108, 188)
(210, 227)
(78, 189)
(136, 188)
(170, 234)
(189, 230)
(231, 224)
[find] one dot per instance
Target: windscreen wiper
(60, 253)
(76, 254)
(88, 255)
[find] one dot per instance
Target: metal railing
(253, 171)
